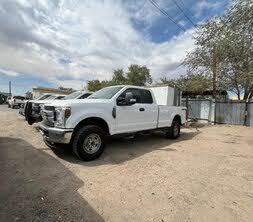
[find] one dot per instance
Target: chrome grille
(48, 115)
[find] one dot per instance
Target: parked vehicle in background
(24, 105)
(8, 101)
(16, 101)
(3, 98)
(84, 124)
(34, 112)
(78, 95)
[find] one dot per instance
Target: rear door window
(146, 96)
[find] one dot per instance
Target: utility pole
(10, 88)
(215, 61)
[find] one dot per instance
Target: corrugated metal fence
(226, 112)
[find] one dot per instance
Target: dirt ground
(205, 175)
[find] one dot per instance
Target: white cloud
(207, 5)
(82, 40)
(8, 72)
(182, 23)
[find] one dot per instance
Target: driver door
(129, 117)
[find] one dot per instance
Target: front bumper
(56, 135)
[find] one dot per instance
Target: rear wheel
(89, 142)
(174, 131)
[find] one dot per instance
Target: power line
(186, 16)
(166, 14)
(186, 9)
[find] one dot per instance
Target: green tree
(118, 77)
(94, 85)
(138, 75)
(224, 50)
(189, 82)
(206, 59)
(237, 42)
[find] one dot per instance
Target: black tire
(174, 131)
(30, 121)
(83, 136)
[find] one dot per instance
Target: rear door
(140, 116)
(149, 113)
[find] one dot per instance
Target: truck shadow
(37, 187)
(119, 150)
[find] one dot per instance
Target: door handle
(141, 109)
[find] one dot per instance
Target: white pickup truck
(84, 124)
(16, 101)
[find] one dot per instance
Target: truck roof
(130, 86)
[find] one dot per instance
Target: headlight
(61, 116)
(41, 108)
(35, 106)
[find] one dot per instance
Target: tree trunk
(246, 94)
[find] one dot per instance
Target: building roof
(58, 90)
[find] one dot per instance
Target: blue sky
(65, 43)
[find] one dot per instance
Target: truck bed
(167, 113)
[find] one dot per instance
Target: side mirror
(127, 100)
(121, 101)
(130, 98)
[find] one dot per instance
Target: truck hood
(74, 102)
(45, 101)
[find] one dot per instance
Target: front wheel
(174, 131)
(89, 142)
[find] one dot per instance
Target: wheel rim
(92, 143)
(176, 129)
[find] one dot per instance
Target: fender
(79, 116)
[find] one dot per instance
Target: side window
(146, 96)
(136, 94)
(84, 96)
(60, 97)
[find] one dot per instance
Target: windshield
(42, 97)
(105, 93)
(51, 97)
(18, 97)
(73, 95)
(60, 97)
